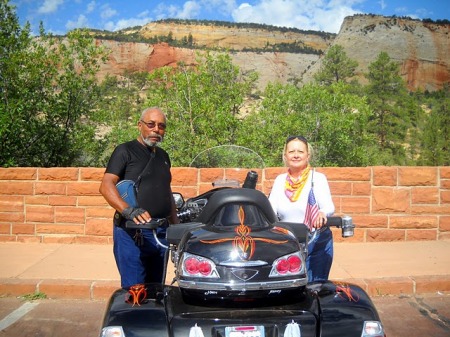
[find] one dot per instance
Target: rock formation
(421, 49)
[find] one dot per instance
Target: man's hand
(138, 215)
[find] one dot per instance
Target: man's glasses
(301, 138)
(152, 125)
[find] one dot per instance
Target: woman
(289, 199)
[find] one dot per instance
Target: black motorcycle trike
(239, 272)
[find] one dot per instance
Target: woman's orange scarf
(293, 187)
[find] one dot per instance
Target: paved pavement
(89, 271)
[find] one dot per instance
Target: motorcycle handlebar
(154, 223)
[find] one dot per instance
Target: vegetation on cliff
(54, 113)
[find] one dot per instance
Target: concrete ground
(89, 271)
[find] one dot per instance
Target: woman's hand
(320, 220)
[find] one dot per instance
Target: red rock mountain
(422, 49)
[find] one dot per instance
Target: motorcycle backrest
(236, 196)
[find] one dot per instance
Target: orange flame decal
(243, 242)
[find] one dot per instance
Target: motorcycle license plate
(244, 331)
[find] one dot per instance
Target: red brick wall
(386, 203)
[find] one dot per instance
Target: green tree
(332, 119)
(203, 104)
(390, 122)
(436, 135)
(336, 66)
(47, 93)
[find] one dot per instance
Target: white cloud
(126, 23)
(302, 14)
(107, 12)
(90, 7)
(49, 6)
(81, 22)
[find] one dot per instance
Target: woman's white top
(295, 211)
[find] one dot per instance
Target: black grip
(334, 221)
(152, 224)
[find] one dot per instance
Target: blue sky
(60, 16)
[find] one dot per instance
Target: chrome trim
(256, 263)
(243, 286)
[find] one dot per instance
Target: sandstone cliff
(421, 49)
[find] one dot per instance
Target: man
(138, 256)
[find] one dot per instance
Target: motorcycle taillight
(197, 266)
(289, 264)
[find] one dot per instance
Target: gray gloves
(130, 213)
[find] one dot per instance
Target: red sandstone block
(48, 188)
(37, 200)
(359, 236)
(388, 200)
(12, 217)
(62, 200)
(184, 176)
(23, 229)
(103, 240)
(413, 222)
(70, 215)
(352, 205)
(99, 212)
(208, 175)
(270, 173)
(444, 223)
(91, 201)
(425, 195)
(384, 235)
(443, 209)
(79, 289)
(99, 227)
(417, 176)
(445, 183)
(239, 174)
(83, 188)
(40, 213)
(390, 286)
(444, 236)
(16, 188)
(18, 173)
(384, 176)
(186, 191)
(59, 229)
(347, 173)
(370, 221)
(17, 287)
(421, 235)
(102, 290)
(445, 197)
(90, 173)
(58, 239)
(5, 228)
(432, 284)
(58, 173)
(8, 238)
(29, 239)
(12, 203)
(340, 188)
(361, 189)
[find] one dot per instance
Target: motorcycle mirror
(179, 200)
(250, 180)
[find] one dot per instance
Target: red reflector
(282, 266)
(191, 265)
(244, 328)
(294, 263)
